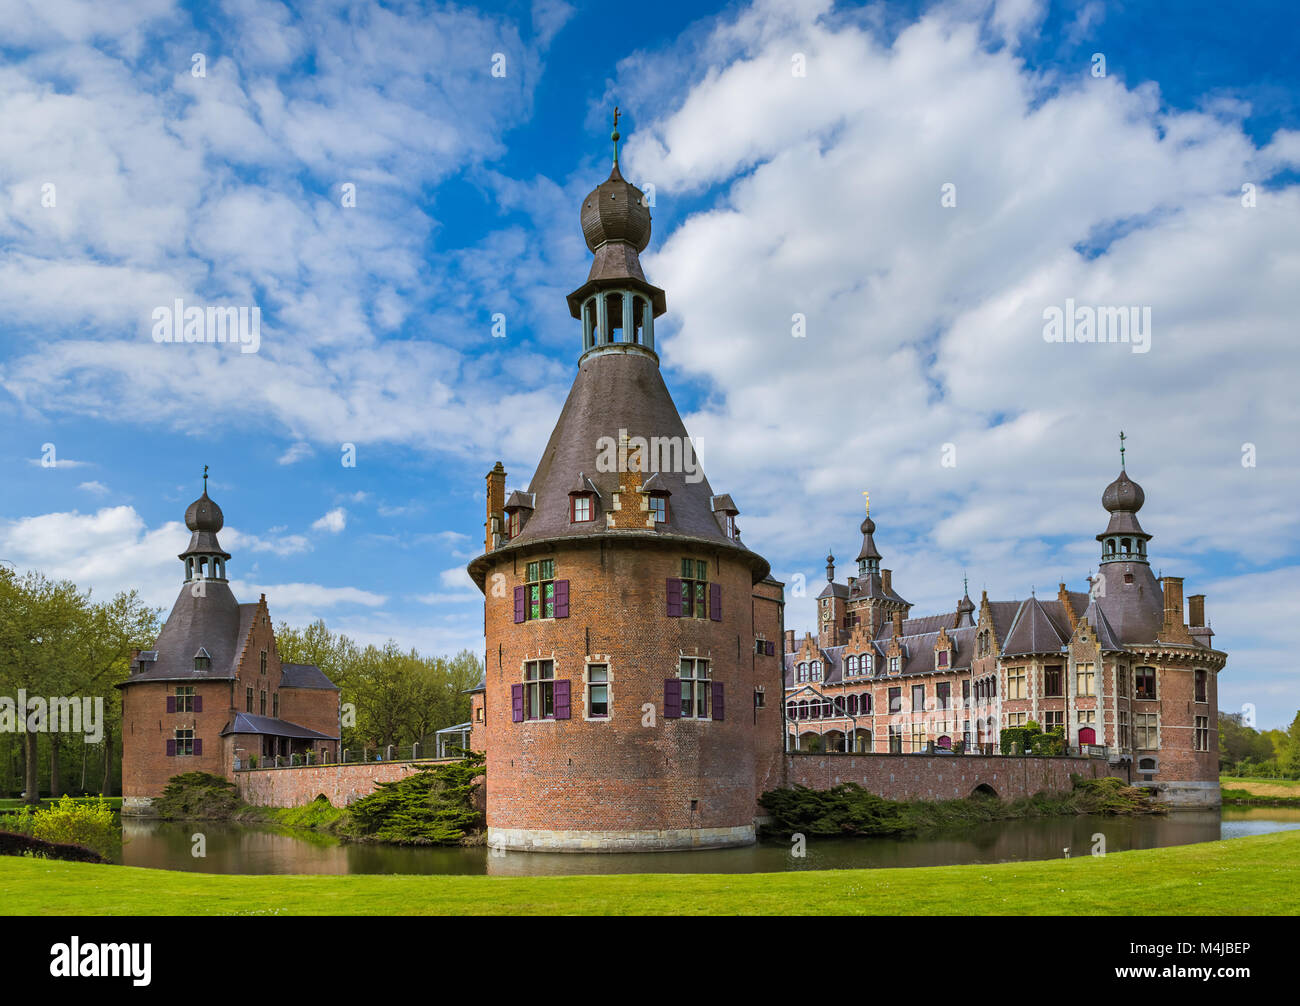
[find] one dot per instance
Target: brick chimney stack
(1174, 629)
(496, 504)
(898, 623)
(887, 580)
(1196, 610)
(1063, 596)
(789, 640)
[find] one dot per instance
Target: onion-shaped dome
(1123, 494)
(615, 210)
(204, 515)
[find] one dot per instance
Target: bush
(197, 796)
(434, 805)
(846, 809)
(14, 844)
(86, 823)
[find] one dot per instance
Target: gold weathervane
(866, 498)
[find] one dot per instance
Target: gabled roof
(871, 585)
(833, 589)
(247, 723)
(305, 676)
(918, 656)
(1106, 636)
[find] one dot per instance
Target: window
(1202, 678)
(1144, 683)
(941, 658)
(248, 700)
(185, 698)
(696, 688)
(943, 695)
(539, 591)
(801, 673)
(261, 703)
(894, 664)
(1087, 717)
(965, 692)
(729, 525)
(1086, 679)
(478, 714)
(539, 689)
(659, 508)
(895, 739)
(695, 587)
(815, 670)
(581, 508)
(1016, 683)
(868, 663)
(760, 699)
(918, 737)
(1201, 738)
(262, 662)
(1053, 718)
(759, 646)
(275, 705)
(1052, 681)
(1122, 729)
(1146, 731)
(895, 700)
(202, 661)
(185, 742)
(851, 668)
(1121, 683)
(1017, 719)
(864, 704)
(965, 735)
(598, 691)
(918, 698)
(513, 525)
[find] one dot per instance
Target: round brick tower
(619, 600)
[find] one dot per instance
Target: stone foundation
(531, 840)
(1187, 795)
(137, 806)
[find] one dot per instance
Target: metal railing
(348, 756)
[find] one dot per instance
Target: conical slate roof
(1106, 637)
(618, 391)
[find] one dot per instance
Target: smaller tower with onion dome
(213, 695)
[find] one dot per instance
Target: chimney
(887, 580)
(496, 504)
(1063, 596)
(1174, 630)
(1196, 610)
(898, 623)
(789, 640)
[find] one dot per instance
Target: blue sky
(775, 194)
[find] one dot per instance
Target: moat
(235, 848)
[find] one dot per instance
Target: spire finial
(205, 480)
(866, 499)
(965, 585)
(1122, 438)
(614, 135)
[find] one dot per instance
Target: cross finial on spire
(614, 135)
(1122, 438)
(205, 480)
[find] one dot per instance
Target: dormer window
(512, 526)
(894, 664)
(582, 508)
(659, 507)
(851, 667)
(815, 670)
(202, 660)
(941, 659)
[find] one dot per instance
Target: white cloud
(295, 453)
(333, 522)
(95, 488)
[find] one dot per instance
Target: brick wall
(340, 784)
(943, 777)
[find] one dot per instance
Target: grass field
(1245, 876)
(1262, 787)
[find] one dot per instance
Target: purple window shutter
(715, 602)
(718, 709)
(517, 703)
(198, 746)
(769, 648)
(519, 604)
(198, 703)
(561, 598)
(672, 698)
(171, 703)
(171, 747)
(674, 598)
(562, 699)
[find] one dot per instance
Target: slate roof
(216, 622)
(247, 723)
(305, 676)
(1035, 631)
(871, 585)
(1106, 637)
(918, 656)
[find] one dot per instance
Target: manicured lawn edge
(1259, 875)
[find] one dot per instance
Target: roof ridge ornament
(1122, 438)
(615, 135)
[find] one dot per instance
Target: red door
(1087, 735)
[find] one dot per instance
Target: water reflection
(234, 848)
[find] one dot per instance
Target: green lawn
(1245, 876)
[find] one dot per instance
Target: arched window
(803, 710)
(866, 704)
(853, 666)
(816, 670)
(853, 705)
(801, 673)
(614, 318)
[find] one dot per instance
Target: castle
(213, 695)
(640, 687)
